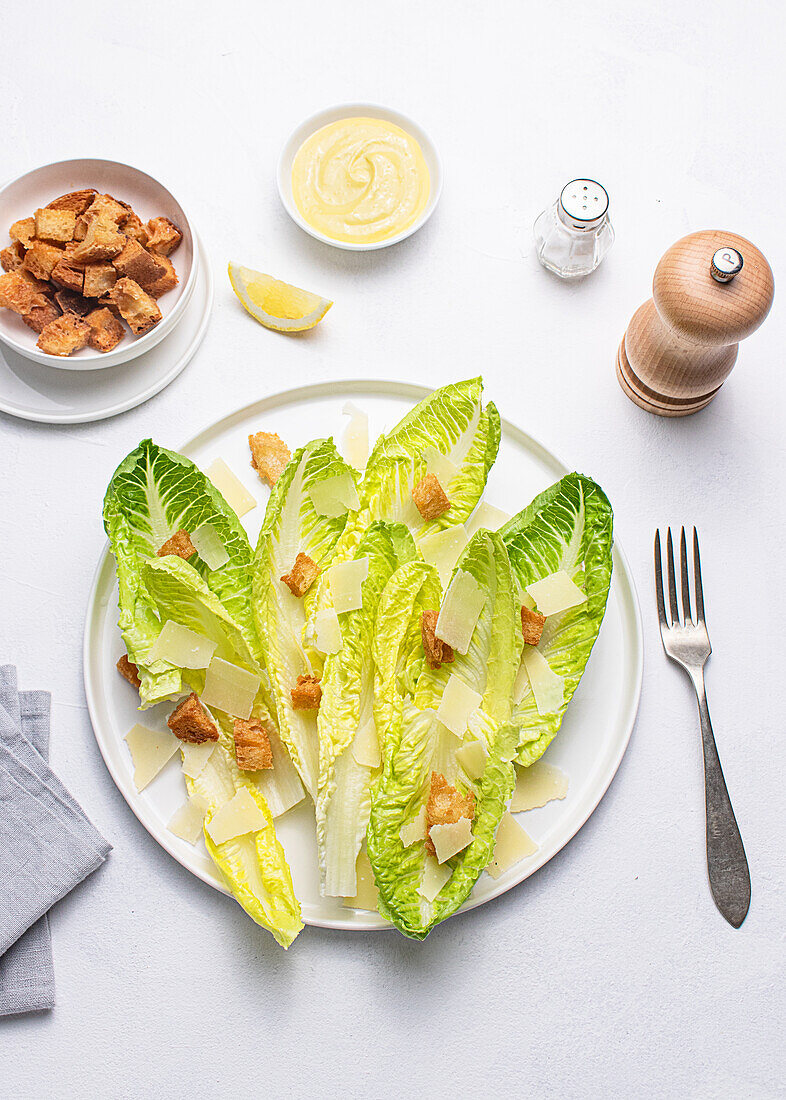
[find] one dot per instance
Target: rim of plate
(628, 720)
(350, 110)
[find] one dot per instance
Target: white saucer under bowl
(48, 395)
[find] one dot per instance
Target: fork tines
(674, 618)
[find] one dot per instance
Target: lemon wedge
(275, 304)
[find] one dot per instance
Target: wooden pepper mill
(710, 290)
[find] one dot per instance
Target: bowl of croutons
(99, 265)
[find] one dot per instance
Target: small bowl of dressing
(359, 176)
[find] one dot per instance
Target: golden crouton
(99, 279)
(55, 225)
(23, 231)
(69, 272)
(70, 301)
(102, 242)
(75, 201)
(39, 315)
(531, 625)
(190, 722)
(269, 455)
(19, 293)
(180, 543)
(12, 257)
(445, 806)
(129, 671)
(252, 745)
(132, 227)
(64, 335)
(437, 652)
(137, 308)
(138, 264)
(106, 331)
(302, 575)
(80, 228)
(108, 210)
(430, 498)
(41, 259)
(163, 236)
(168, 280)
(307, 693)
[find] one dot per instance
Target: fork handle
(730, 879)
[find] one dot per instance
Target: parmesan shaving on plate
(233, 491)
(457, 704)
(354, 442)
(440, 466)
(460, 611)
(334, 496)
(237, 817)
(230, 688)
(365, 747)
(208, 545)
(328, 631)
(555, 593)
(443, 549)
(346, 581)
(511, 846)
(434, 878)
(195, 757)
(472, 757)
(414, 830)
(187, 822)
(150, 750)
(487, 517)
(182, 647)
(367, 892)
(547, 687)
(536, 785)
(451, 838)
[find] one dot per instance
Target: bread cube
(437, 652)
(302, 575)
(531, 625)
(12, 257)
(108, 210)
(129, 671)
(252, 745)
(40, 314)
(190, 722)
(102, 242)
(269, 455)
(446, 805)
(19, 293)
(134, 228)
(68, 272)
(306, 694)
(55, 225)
(75, 201)
(23, 231)
(168, 280)
(106, 331)
(99, 279)
(138, 264)
(70, 301)
(430, 498)
(180, 543)
(41, 259)
(137, 308)
(64, 335)
(163, 236)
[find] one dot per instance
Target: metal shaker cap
(583, 204)
(725, 264)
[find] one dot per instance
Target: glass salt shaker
(574, 234)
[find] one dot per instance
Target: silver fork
(687, 643)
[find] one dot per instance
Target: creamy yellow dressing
(360, 180)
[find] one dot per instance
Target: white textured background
(609, 973)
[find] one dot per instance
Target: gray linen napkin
(47, 844)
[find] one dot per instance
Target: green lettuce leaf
(568, 527)
(292, 525)
(417, 744)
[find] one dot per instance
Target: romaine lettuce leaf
(568, 527)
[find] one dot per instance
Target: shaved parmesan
(334, 496)
(443, 550)
(328, 631)
(209, 546)
(434, 878)
(547, 687)
(414, 830)
(187, 822)
(460, 611)
(367, 892)
(182, 647)
(195, 757)
(472, 757)
(440, 466)
(233, 491)
(527, 600)
(536, 785)
(511, 846)
(486, 516)
(451, 838)
(354, 442)
(150, 750)
(241, 815)
(230, 688)
(346, 581)
(555, 593)
(365, 747)
(457, 704)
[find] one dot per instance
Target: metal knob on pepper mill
(710, 291)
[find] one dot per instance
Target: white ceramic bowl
(357, 110)
(149, 198)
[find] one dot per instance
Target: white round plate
(357, 110)
(51, 396)
(588, 748)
